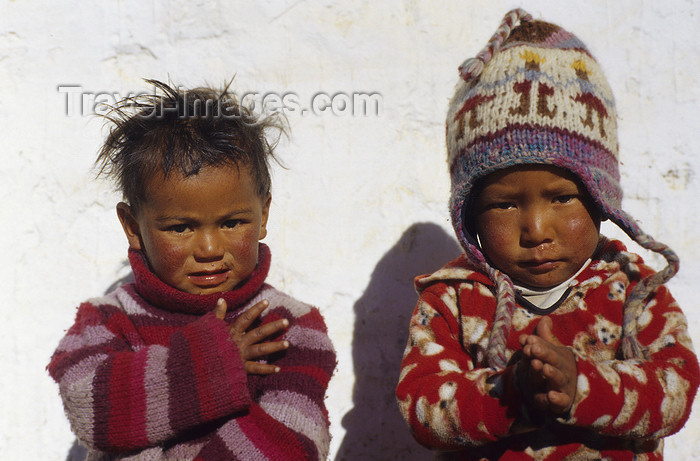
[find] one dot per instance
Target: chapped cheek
(246, 247)
(495, 233)
(170, 255)
(244, 251)
(166, 259)
(582, 229)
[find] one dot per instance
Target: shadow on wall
(374, 427)
(77, 452)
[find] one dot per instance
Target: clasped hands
(547, 370)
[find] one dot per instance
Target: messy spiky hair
(183, 131)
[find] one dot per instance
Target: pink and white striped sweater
(149, 372)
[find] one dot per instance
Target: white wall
(362, 206)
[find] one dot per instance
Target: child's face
(199, 233)
(536, 223)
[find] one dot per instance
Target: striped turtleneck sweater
(149, 372)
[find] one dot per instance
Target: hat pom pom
(471, 68)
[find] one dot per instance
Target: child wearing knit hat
(198, 357)
(544, 340)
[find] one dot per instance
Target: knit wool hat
(536, 95)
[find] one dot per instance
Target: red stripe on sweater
(314, 372)
(274, 440)
(201, 363)
(127, 426)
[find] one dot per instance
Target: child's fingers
(248, 317)
(523, 340)
(251, 345)
(556, 379)
(220, 309)
(256, 368)
(527, 342)
(536, 348)
(562, 387)
(263, 349)
(540, 401)
(536, 365)
(560, 360)
(543, 351)
(260, 333)
(544, 331)
(559, 402)
(553, 401)
(544, 326)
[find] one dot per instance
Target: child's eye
(502, 205)
(231, 223)
(564, 198)
(178, 228)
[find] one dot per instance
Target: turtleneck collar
(162, 295)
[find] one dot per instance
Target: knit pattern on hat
(536, 95)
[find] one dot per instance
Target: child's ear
(130, 225)
(265, 214)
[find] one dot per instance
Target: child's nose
(208, 247)
(535, 228)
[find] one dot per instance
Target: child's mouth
(540, 266)
(209, 278)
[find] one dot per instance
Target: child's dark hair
(184, 130)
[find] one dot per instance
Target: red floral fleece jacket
(149, 372)
(457, 406)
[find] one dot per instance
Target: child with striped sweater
(198, 358)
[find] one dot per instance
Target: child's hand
(249, 342)
(550, 369)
